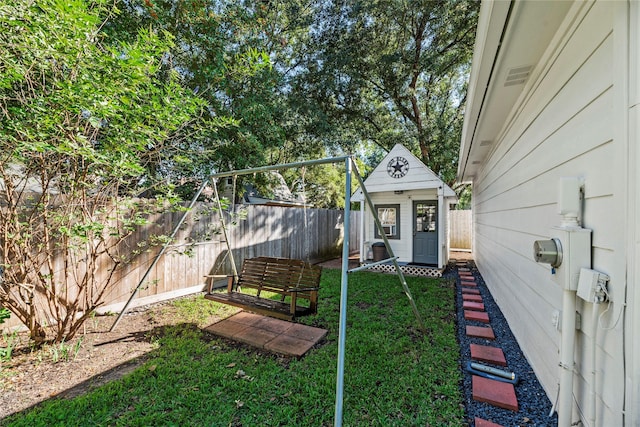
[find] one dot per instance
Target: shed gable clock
(398, 167)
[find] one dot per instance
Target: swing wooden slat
(293, 280)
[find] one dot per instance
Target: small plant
(5, 352)
(10, 340)
(63, 352)
(4, 314)
(154, 340)
(76, 347)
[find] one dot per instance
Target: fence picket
(268, 230)
(460, 229)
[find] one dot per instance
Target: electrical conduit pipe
(567, 348)
(576, 242)
(592, 388)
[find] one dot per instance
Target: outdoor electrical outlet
(592, 286)
(556, 320)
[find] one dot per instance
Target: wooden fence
(200, 250)
(460, 230)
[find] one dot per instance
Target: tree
(240, 57)
(305, 79)
(82, 116)
(220, 48)
(393, 71)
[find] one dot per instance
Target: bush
(81, 119)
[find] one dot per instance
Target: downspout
(592, 288)
(567, 350)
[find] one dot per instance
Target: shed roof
(418, 176)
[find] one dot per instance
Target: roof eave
(492, 20)
(512, 50)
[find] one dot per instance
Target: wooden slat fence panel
(460, 229)
(199, 248)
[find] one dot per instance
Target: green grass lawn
(394, 374)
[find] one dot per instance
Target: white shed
(412, 203)
(554, 92)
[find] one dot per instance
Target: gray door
(425, 232)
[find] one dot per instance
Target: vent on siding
(517, 76)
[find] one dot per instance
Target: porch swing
(293, 280)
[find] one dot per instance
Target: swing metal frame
(350, 169)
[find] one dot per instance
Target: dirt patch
(95, 357)
(354, 261)
(461, 255)
(363, 305)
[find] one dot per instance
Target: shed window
(389, 216)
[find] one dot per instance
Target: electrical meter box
(576, 254)
(548, 252)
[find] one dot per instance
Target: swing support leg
(160, 253)
(342, 329)
(403, 281)
(351, 166)
(224, 227)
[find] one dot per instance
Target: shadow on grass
(112, 374)
(141, 336)
(153, 335)
(394, 376)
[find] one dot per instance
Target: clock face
(398, 167)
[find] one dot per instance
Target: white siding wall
(445, 227)
(564, 126)
(632, 316)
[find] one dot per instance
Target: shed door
(425, 232)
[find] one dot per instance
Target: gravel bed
(534, 405)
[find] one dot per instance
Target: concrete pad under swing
(267, 333)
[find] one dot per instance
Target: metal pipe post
(342, 331)
(224, 231)
(281, 166)
(159, 255)
(373, 264)
(403, 281)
